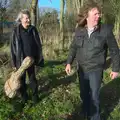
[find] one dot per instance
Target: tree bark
(34, 12)
(62, 3)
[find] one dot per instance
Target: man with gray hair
(26, 42)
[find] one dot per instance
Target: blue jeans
(90, 83)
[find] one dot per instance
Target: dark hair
(81, 19)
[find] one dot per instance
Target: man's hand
(113, 75)
(68, 69)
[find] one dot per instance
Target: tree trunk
(1, 26)
(117, 28)
(70, 7)
(1, 30)
(78, 4)
(34, 12)
(2, 18)
(62, 22)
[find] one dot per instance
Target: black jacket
(90, 51)
(16, 46)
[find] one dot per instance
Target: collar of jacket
(84, 29)
(18, 29)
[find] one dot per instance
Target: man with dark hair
(26, 42)
(88, 47)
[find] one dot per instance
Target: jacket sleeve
(38, 41)
(13, 50)
(114, 51)
(72, 51)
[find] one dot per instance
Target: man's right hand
(68, 69)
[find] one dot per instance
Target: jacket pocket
(79, 41)
(99, 41)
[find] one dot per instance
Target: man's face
(25, 20)
(93, 16)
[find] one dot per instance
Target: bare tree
(78, 4)
(34, 12)
(3, 7)
(62, 4)
(70, 6)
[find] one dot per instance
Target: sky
(49, 3)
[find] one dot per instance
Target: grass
(59, 97)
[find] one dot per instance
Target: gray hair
(24, 11)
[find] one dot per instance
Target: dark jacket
(90, 51)
(17, 48)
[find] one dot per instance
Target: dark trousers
(90, 83)
(33, 83)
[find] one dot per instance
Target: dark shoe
(18, 107)
(84, 113)
(24, 98)
(88, 118)
(35, 99)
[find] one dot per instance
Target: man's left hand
(113, 75)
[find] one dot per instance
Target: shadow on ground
(55, 81)
(109, 97)
(47, 83)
